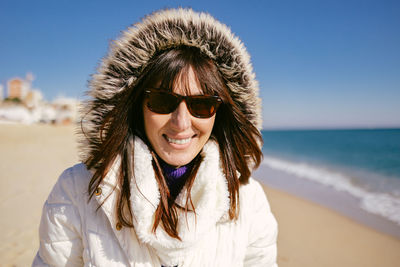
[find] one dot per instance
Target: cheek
(206, 126)
(152, 123)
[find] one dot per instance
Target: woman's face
(178, 137)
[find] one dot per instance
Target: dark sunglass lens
(202, 107)
(162, 102)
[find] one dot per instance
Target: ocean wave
(383, 204)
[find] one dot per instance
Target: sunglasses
(199, 106)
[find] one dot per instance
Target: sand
(32, 157)
(312, 235)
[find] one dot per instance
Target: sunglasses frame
(188, 100)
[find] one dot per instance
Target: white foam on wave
(383, 204)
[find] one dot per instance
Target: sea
(362, 164)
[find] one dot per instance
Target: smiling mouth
(178, 141)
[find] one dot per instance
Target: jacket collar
(209, 194)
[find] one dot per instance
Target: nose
(181, 118)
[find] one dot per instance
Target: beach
(33, 156)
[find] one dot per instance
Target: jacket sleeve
(261, 248)
(59, 230)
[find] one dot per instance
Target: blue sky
(320, 64)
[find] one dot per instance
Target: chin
(178, 163)
(179, 160)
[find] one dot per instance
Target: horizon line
(327, 128)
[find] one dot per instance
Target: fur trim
(163, 29)
(210, 198)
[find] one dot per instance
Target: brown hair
(238, 139)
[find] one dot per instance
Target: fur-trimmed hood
(164, 29)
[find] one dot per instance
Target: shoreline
(337, 201)
(311, 235)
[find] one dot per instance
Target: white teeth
(178, 141)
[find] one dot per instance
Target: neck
(175, 176)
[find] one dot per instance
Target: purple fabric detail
(175, 177)
(174, 173)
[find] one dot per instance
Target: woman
(169, 142)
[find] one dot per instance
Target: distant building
(18, 88)
(67, 110)
(33, 98)
(26, 104)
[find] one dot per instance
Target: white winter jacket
(74, 232)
